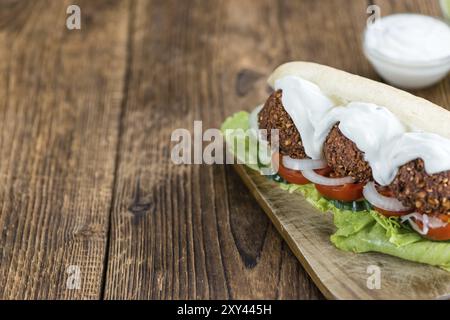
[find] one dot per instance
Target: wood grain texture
(339, 274)
(85, 123)
(201, 235)
(60, 94)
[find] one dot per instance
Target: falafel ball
(427, 193)
(274, 116)
(344, 157)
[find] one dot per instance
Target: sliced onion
(427, 222)
(423, 218)
(423, 231)
(303, 164)
(435, 222)
(385, 203)
(325, 181)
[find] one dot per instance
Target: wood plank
(60, 97)
(192, 231)
(327, 32)
(339, 274)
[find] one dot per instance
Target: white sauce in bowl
(409, 38)
(409, 50)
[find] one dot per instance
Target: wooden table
(88, 191)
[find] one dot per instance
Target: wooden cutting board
(340, 274)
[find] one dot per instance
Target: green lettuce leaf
(362, 231)
(241, 143)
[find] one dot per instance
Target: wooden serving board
(340, 274)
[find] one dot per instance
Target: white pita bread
(415, 112)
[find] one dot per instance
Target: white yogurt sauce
(376, 131)
(433, 149)
(409, 38)
(306, 105)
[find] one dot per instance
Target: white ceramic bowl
(407, 74)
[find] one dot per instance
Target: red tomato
(438, 234)
(347, 192)
(388, 193)
(293, 176)
(388, 214)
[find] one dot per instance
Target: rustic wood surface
(85, 122)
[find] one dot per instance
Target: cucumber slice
(354, 206)
(277, 178)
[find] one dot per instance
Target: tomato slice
(293, 176)
(347, 192)
(385, 191)
(438, 234)
(388, 213)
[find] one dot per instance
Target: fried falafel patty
(274, 116)
(427, 193)
(344, 157)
